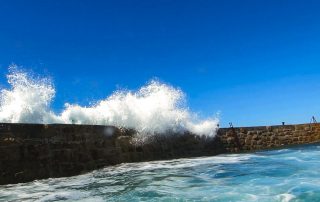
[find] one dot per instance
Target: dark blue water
(280, 175)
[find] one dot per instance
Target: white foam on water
(71, 195)
(285, 197)
(154, 108)
(178, 163)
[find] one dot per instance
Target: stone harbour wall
(38, 151)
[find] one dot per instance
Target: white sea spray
(154, 108)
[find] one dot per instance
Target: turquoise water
(280, 175)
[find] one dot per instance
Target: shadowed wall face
(35, 151)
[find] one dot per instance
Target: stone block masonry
(38, 151)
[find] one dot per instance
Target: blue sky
(257, 62)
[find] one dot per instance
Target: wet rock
(35, 151)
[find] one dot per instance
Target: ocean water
(280, 175)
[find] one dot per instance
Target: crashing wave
(154, 108)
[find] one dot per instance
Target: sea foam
(154, 108)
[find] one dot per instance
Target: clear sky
(257, 62)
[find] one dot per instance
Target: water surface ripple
(280, 175)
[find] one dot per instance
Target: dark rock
(35, 151)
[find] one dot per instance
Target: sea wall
(36, 151)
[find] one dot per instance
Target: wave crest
(154, 108)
